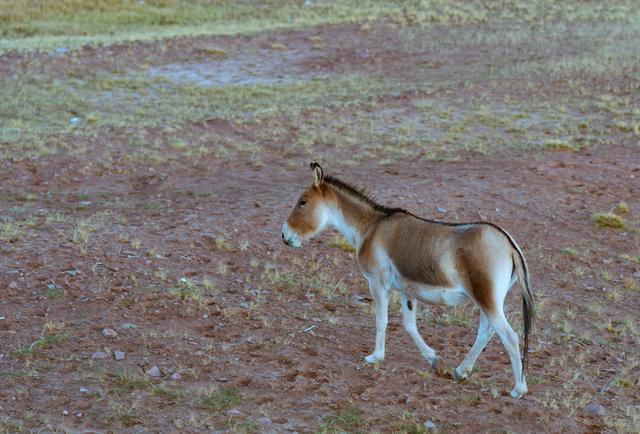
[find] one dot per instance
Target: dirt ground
(183, 260)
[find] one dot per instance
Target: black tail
(528, 312)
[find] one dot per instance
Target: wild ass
(431, 261)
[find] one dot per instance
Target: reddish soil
(252, 331)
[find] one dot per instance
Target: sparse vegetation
(187, 289)
(127, 381)
(348, 419)
(221, 399)
(608, 220)
(621, 208)
(40, 343)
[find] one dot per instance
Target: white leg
(511, 343)
(485, 333)
(381, 298)
(409, 308)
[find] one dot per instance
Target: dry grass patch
(608, 220)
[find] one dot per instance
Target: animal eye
(302, 203)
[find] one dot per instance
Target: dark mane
(359, 193)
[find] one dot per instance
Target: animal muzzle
(289, 237)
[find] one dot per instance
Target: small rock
(65, 412)
(83, 390)
(263, 421)
(78, 414)
(74, 120)
(235, 412)
(13, 285)
(52, 286)
(429, 425)
(594, 410)
(118, 355)
(99, 355)
(61, 50)
(153, 371)
(441, 210)
(109, 333)
(176, 376)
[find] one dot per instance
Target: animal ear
(318, 174)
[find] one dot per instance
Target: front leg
(380, 296)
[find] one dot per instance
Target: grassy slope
(33, 24)
(583, 45)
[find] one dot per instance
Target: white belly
(448, 296)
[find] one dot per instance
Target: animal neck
(352, 217)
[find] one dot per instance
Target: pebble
(13, 285)
(263, 421)
(99, 355)
(109, 333)
(153, 371)
(594, 410)
(429, 425)
(441, 210)
(118, 355)
(83, 390)
(176, 376)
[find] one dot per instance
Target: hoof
(373, 358)
(438, 365)
(517, 394)
(458, 376)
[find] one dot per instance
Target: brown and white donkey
(431, 261)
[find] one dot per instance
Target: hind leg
(409, 308)
(511, 343)
(485, 333)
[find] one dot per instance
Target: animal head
(310, 215)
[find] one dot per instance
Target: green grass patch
(166, 392)
(38, 344)
(570, 251)
(348, 419)
(186, 290)
(53, 293)
(631, 258)
(127, 381)
(220, 399)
